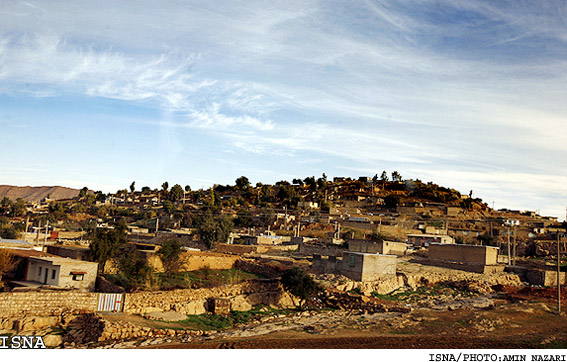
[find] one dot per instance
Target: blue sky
(466, 94)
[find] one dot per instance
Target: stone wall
(328, 250)
(545, 278)
(246, 249)
(252, 266)
(50, 303)
(193, 301)
(191, 261)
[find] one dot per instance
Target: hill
(36, 194)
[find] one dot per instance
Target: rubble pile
(91, 328)
(345, 301)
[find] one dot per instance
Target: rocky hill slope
(35, 194)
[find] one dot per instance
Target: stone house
(426, 239)
(465, 254)
(364, 267)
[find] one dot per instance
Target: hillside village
(146, 267)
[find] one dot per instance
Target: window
(53, 274)
(39, 274)
(351, 260)
(78, 275)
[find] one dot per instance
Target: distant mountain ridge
(35, 194)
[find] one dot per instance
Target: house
(364, 267)
(307, 205)
(377, 247)
(464, 254)
(426, 239)
(263, 240)
(62, 272)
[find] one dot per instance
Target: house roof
(57, 260)
(25, 253)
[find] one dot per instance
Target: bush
(300, 284)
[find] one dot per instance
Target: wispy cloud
(449, 85)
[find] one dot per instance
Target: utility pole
(509, 261)
(558, 276)
(514, 252)
(46, 231)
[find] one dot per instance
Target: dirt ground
(509, 324)
(515, 317)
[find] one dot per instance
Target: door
(110, 302)
(46, 274)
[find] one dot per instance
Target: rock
(53, 340)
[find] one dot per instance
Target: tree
(7, 263)
(133, 186)
(310, 181)
(485, 239)
(300, 284)
(169, 255)
(391, 201)
(384, 176)
(396, 176)
(187, 188)
(168, 206)
(242, 182)
(297, 181)
(213, 230)
(106, 244)
(146, 189)
(83, 192)
(133, 265)
(176, 193)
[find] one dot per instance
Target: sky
(466, 94)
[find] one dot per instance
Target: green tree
(168, 206)
(133, 186)
(485, 239)
(242, 182)
(106, 244)
(213, 230)
(176, 193)
(83, 192)
(300, 284)
(384, 176)
(391, 201)
(396, 176)
(20, 207)
(169, 255)
(133, 265)
(9, 232)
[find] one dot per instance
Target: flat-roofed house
(62, 272)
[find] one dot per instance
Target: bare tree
(7, 263)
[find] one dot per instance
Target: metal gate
(110, 302)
